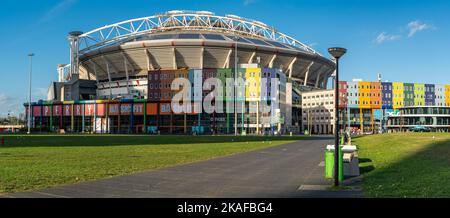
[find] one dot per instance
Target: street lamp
(29, 96)
(236, 38)
(336, 53)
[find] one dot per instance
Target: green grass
(41, 161)
(405, 164)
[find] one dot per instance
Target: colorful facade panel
(398, 95)
(430, 95)
(447, 95)
(408, 94)
(419, 94)
(343, 101)
(364, 95)
(386, 95)
(352, 94)
(253, 84)
(375, 95)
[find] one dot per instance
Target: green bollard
(329, 164)
(341, 164)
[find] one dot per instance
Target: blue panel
(386, 95)
(430, 94)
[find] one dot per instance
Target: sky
(404, 40)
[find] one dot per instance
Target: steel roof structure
(191, 40)
(184, 20)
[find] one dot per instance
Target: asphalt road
(278, 171)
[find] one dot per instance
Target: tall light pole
(29, 96)
(336, 53)
(236, 38)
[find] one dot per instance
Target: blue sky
(405, 40)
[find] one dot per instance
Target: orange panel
(125, 109)
(152, 109)
(165, 109)
(138, 109)
(113, 109)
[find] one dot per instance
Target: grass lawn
(405, 164)
(40, 161)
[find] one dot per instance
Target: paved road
(273, 172)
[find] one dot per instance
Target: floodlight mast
(74, 39)
(29, 94)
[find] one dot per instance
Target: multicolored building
(387, 96)
(373, 106)
(392, 95)
(156, 114)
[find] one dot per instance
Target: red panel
(89, 110)
(57, 110)
(101, 109)
(125, 109)
(113, 109)
(46, 112)
(138, 109)
(67, 110)
(36, 111)
(78, 110)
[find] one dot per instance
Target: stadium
(119, 77)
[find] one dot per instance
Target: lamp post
(236, 38)
(29, 96)
(336, 53)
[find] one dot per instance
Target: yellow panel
(253, 84)
(397, 95)
(447, 95)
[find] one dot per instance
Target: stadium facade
(120, 76)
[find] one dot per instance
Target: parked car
(420, 129)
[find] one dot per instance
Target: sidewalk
(316, 186)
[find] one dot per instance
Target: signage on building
(67, 111)
(89, 109)
(78, 110)
(36, 111)
(125, 109)
(47, 111)
(138, 109)
(113, 109)
(57, 110)
(165, 108)
(101, 110)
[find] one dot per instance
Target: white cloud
(383, 37)
(417, 26)
(57, 10)
(14, 105)
(9, 105)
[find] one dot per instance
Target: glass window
(188, 36)
(213, 37)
